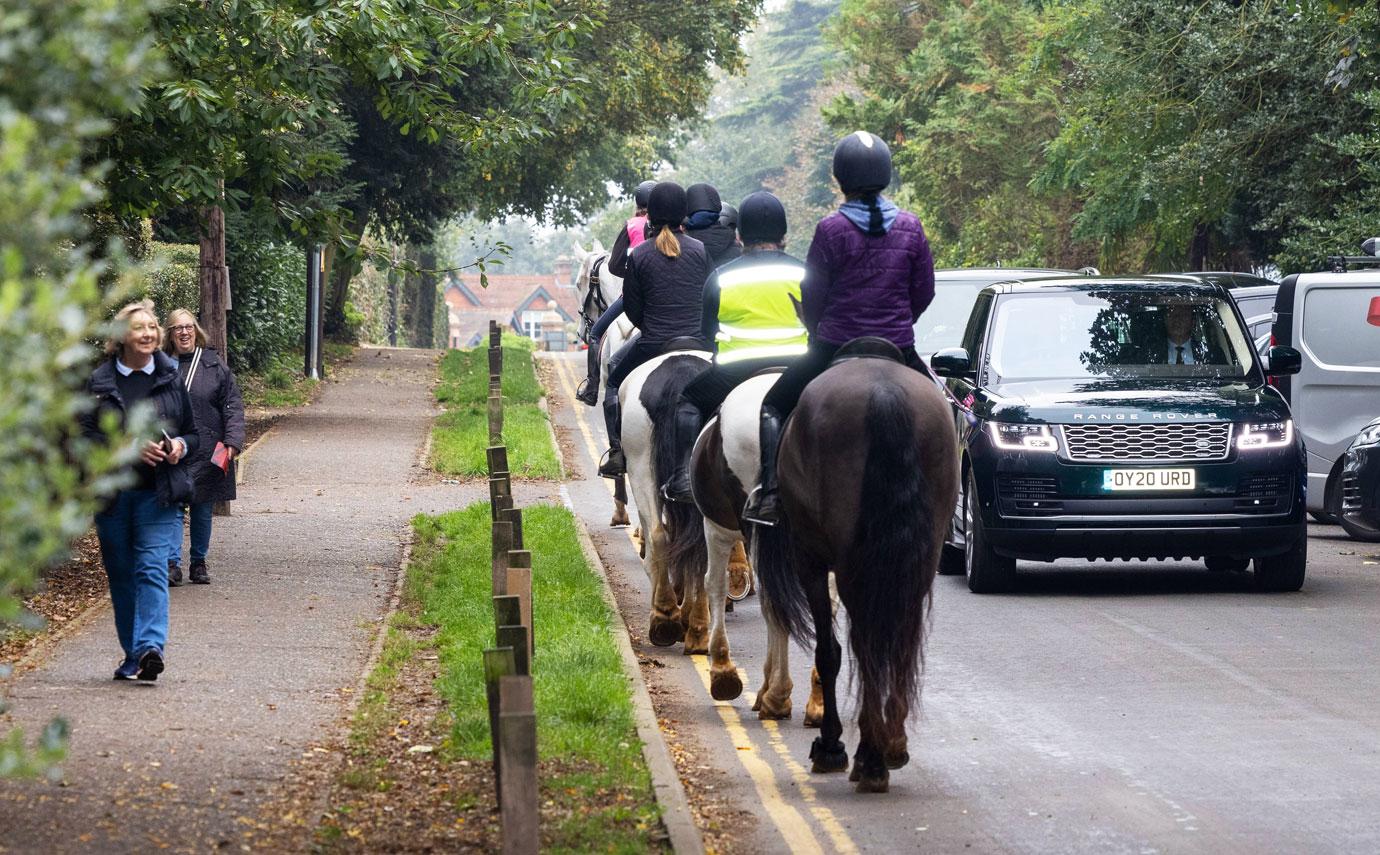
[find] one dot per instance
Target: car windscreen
(1116, 333)
(941, 325)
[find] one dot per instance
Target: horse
(673, 545)
(724, 467)
(598, 288)
(868, 471)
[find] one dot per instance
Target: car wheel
(1226, 564)
(987, 572)
(1358, 528)
(1284, 572)
(1325, 519)
(951, 560)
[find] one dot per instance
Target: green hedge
(174, 283)
(268, 287)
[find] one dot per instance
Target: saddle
(683, 343)
(868, 347)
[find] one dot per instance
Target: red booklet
(221, 456)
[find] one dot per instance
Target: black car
(1361, 485)
(1121, 418)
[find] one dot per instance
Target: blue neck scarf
(874, 215)
(701, 219)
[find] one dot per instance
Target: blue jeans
(137, 537)
(200, 513)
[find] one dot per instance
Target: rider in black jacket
(707, 225)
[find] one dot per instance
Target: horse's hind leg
(895, 753)
(695, 610)
(724, 682)
(814, 707)
(665, 627)
(620, 503)
(774, 695)
(827, 752)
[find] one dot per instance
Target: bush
(174, 282)
(268, 288)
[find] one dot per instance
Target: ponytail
(874, 210)
(666, 242)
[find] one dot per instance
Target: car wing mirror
(952, 362)
(1284, 360)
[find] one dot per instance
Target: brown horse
(868, 469)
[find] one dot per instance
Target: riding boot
(687, 426)
(588, 393)
(614, 464)
(764, 505)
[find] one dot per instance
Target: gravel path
(260, 663)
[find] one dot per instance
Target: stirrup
(587, 392)
(686, 496)
(756, 504)
(605, 460)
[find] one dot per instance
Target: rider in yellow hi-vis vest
(750, 317)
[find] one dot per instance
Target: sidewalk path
(261, 662)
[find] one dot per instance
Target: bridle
(595, 303)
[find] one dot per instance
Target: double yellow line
(794, 829)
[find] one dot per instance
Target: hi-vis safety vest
(756, 317)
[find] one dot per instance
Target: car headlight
(1265, 435)
(1024, 437)
(1369, 435)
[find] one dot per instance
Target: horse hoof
(898, 759)
(767, 711)
(813, 718)
(664, 632)
(855, 774)
(874, 784)
(725, 685)
(695, 647)
(828, 758)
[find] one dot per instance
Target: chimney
(565, 271)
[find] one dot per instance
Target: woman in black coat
(219, 414)
(139, 527)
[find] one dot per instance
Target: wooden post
(516, 637)
(495, 363)
(500, 489)
(518, 584)
(507, 610)
(495, 418)
(502, 542)
(498, 663)
(498, 459)
(514, 517)
(518, 793)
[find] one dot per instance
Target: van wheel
(987, 572)
(1284, 572)
(1226, 564)
(1358, 529)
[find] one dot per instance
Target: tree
(82, 61)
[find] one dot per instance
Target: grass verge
(461, 435)
(596, 792)
(281, 384)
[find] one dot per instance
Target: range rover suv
(1121, 418)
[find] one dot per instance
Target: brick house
(542, 308)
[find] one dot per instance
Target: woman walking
(219, 415)
(138, 528)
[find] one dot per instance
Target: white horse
(724, 469)
(598, 288)
(673, 532)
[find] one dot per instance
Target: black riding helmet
(666, 204)
(703, 197)
(862, 163)
(729, 217)
(762, 219)
(642, 194)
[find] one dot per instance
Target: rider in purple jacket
(869, 273)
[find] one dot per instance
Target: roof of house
(505, 298)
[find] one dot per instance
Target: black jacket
(663, 297)
(219, 415)
(174, 411)
(720, 241)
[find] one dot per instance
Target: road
(1125, 707)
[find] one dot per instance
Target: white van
(1333, 320)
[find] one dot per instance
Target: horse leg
(896, 753)
(620, 503)
(739, 571)
(695, 611)
(814, 707)
(724, 682)
(665, 628)
(827, 752)
(774, 696)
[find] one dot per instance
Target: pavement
(1111, 707)
(261, 663)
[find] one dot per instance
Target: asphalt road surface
(1123, 707)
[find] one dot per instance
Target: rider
(634, 231)
(661, 296)
(870, 273)
(706, 224)
(750, 316)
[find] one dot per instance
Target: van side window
(1335, 329)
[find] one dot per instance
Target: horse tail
(888, 571)
(686, 551)
(783, 597)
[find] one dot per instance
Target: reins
(594, 299)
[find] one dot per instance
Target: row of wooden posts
(508, 664)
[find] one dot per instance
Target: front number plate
(1149, 479)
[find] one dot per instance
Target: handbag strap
(191, 371)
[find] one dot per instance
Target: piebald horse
(868, 470)
(673, 548)
(598, 288)
(724, 468)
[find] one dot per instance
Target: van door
(1337, 392)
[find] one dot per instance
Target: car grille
(1029, 495)
(1265, 486)
(1183, 441)
(1351, 494)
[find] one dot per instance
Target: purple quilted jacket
(858, 285)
